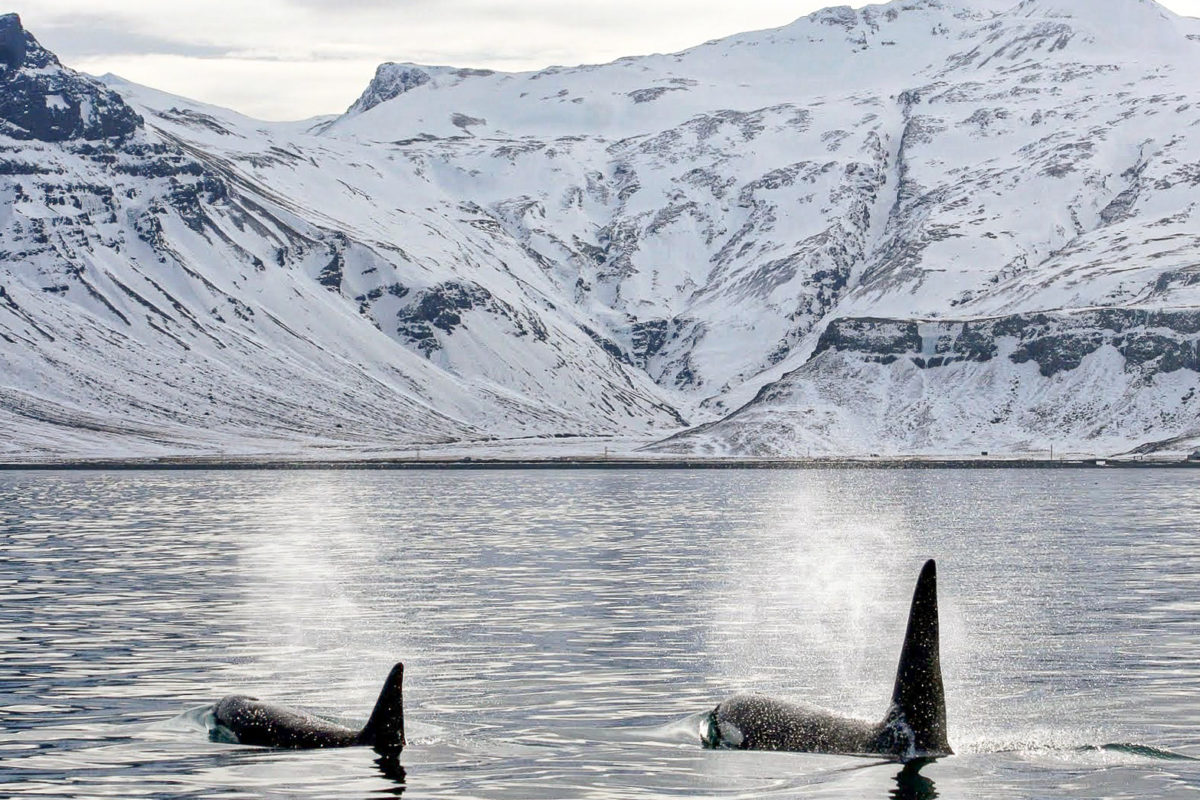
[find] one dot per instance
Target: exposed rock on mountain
(392, 80)
(922, 227)
(39, 99)
(1019, 383)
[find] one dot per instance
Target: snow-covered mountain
(922, 227)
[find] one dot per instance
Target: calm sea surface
(563, 630)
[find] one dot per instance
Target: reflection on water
(391, 768)
(561, 631)
(912, 785)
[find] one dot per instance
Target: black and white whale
(248, 720)
(913, 728)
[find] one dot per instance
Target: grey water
(563, 631)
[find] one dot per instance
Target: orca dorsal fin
(918, 694)
(384, 731)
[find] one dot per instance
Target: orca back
(918, 699)
(384, 731)
(756, 722)
(247, 720)
(250, 721)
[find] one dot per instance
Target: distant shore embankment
(252, 463)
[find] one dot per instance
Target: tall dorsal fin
(918, 694)
(385, 729)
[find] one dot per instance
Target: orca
(248, 720)
(914, 727)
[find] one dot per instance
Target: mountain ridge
(614, 251)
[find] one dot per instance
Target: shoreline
(582, 463)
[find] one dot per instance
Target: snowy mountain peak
(12, 41)
(929, 226)
(1122, 29)
(40, 99)
(15, 44)
(1113, 12)
(392, 80)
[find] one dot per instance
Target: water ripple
(561, 630)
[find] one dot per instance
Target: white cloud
(265, 89)
(288, 59)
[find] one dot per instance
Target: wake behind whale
(914, 726)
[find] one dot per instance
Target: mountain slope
(742, 236)
(1075, 383)
(155, 300)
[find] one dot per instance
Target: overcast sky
(290, 59)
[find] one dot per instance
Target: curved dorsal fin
(918, 694)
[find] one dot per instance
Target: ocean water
(563, 631)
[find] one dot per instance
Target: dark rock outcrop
(390, 81)
(43, 100)
(1159, 341)
(443, 308)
